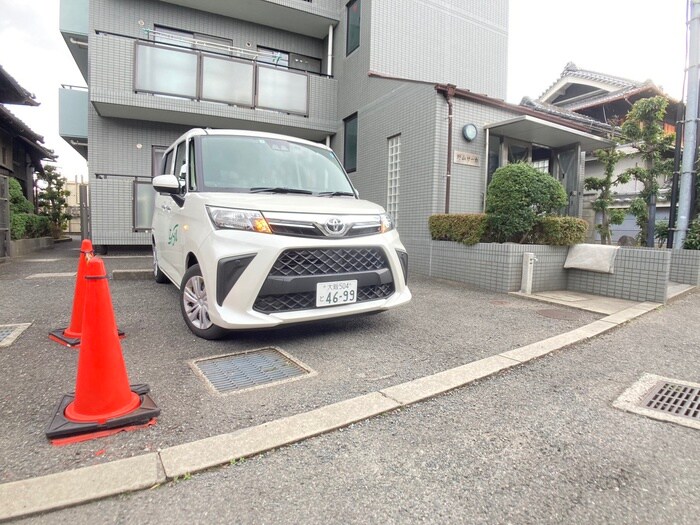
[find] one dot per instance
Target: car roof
(200, 132)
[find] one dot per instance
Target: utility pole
(691, 128)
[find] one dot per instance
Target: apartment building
(408, 94)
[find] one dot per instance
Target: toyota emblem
(335, 226)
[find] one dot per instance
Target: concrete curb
(72, 487)
(68, 488)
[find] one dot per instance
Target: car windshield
(260, 164)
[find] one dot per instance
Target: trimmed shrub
(558, 231)
(29, 226)
(692, 237)
(18, 202)
(467, 228)
(516, 197)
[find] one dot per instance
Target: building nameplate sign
(469, 159)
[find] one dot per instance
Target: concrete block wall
(640, 275)
(685, 267)
(497, 267)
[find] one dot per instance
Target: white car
(260, 230)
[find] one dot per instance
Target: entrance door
(565, 165)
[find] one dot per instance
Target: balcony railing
(215, 76)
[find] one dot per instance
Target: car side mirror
(166, 184)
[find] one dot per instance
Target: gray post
(528, 267)
(690, 133)
(84, 213)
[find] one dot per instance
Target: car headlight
(387, 223)
(232, 219)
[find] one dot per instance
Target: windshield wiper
(335, 194)
(263, 189)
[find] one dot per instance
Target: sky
(634, 39)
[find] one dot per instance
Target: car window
(167, 163)
(235, 163)
(191, 166)
(179, 160)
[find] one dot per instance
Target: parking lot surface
(447, 324)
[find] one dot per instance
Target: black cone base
(61, 427)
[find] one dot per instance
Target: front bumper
(269, 280)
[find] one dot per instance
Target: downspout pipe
(449, 94)
(329, 61)
(676, 173)
(690, 133)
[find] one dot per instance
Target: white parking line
(50, 275)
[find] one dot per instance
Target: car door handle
(165, 207)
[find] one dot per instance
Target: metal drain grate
(672, 398)
(10, 332)
(236, 372)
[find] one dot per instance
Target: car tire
(195, 306)
(158, 274)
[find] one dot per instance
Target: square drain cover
(255, 368)
(663, 398)
(10, 332)
(673, 398)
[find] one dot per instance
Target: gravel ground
(537, 444)
(446, 325)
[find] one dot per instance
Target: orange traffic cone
(103, 403)
(71, 336)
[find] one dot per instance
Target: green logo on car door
(172, 235)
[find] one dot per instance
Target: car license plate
(335, 293)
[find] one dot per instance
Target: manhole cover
(10, 332)
(672, 398)
(236, 372)
(556, 313)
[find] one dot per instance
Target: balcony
(73, 24)
(73, 117)
(306, 17)
(141, 79)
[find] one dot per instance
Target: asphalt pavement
(537, 443)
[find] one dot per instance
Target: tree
(643, 129)
(51, 201)
(609, 157)
(517, 196)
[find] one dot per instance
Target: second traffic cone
(103, 398)
(71, 336)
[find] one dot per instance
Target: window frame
(348, 7)
(346, 121)
(393, 175)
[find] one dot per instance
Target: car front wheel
(195, 306)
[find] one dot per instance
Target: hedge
(28, 226)
(692, 237)
(467, 228)
(558, 231)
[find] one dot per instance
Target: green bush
(558, 231)
(516, 197)
(467, 228)
(18, 202)
(29, 226)
(18, 225)
(692, 237)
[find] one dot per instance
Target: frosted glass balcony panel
(283, 90)
(166, 71)
(227, 81)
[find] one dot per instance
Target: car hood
(291, 203)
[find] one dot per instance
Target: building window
(166, 35)
(273, 56)
(350, 149)
(394, 171)
(353, 27)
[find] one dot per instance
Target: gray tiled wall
(497, 267)
(640, 275)
(685, 267)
